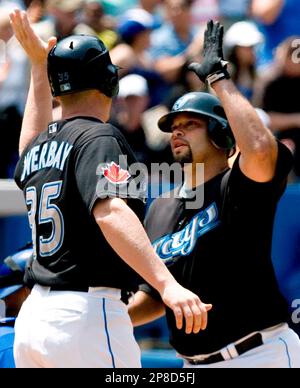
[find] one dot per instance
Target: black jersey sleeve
(273, 188)
(105, 169)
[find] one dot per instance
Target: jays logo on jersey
(115, 174)
(183, 242)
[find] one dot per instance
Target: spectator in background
(153, 7)
(128, 115)
(173, 47)
(95, 23)
(132, 101)
(150, 5)
(278, 20)
(14, 293)
(134, 31)
(35, 10)
(117, 8)
(233, 11)
(204, 10)
(131, 53)
(240, 42)
(14, 84)
(176, 42)
(61, 18)
(281, 99)
(10, 5)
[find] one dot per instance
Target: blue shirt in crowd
(286, 25)
(165, 42)
(7, 336)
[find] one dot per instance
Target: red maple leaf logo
(115, 174)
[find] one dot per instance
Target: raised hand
(38, 110)
(213, 66)
(36, 49)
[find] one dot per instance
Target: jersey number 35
(43, 213)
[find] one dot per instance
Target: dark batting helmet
(81, 62)
(12, 272)
(208, 106)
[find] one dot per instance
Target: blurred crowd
(153, 41)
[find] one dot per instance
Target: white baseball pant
(280, 349)
(66, 329)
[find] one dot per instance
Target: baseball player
(13, 293)
(221, 251)
(83, 203)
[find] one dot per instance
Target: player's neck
(91, 106)
(199, 173)
(68, 114)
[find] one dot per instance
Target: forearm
(267, 10)
(250, 133)
(144, 309)
(126, 235)
(38, 110)
(257, 144)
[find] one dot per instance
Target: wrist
(39, 65)
(39, 71)
(166, 282)
(217, 76)
(224, 85)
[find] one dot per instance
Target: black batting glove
(213, 67)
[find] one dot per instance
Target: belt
(69, 288)
(241, 348)
(125, 295)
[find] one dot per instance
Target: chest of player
(193, 245)
(191, 228)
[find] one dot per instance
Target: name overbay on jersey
(47, 155)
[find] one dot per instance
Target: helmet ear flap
(221, 134)
(110, 87)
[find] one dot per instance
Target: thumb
(51, 43)
(208, 307)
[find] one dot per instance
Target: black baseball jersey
(63, 173)
(222, 252)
